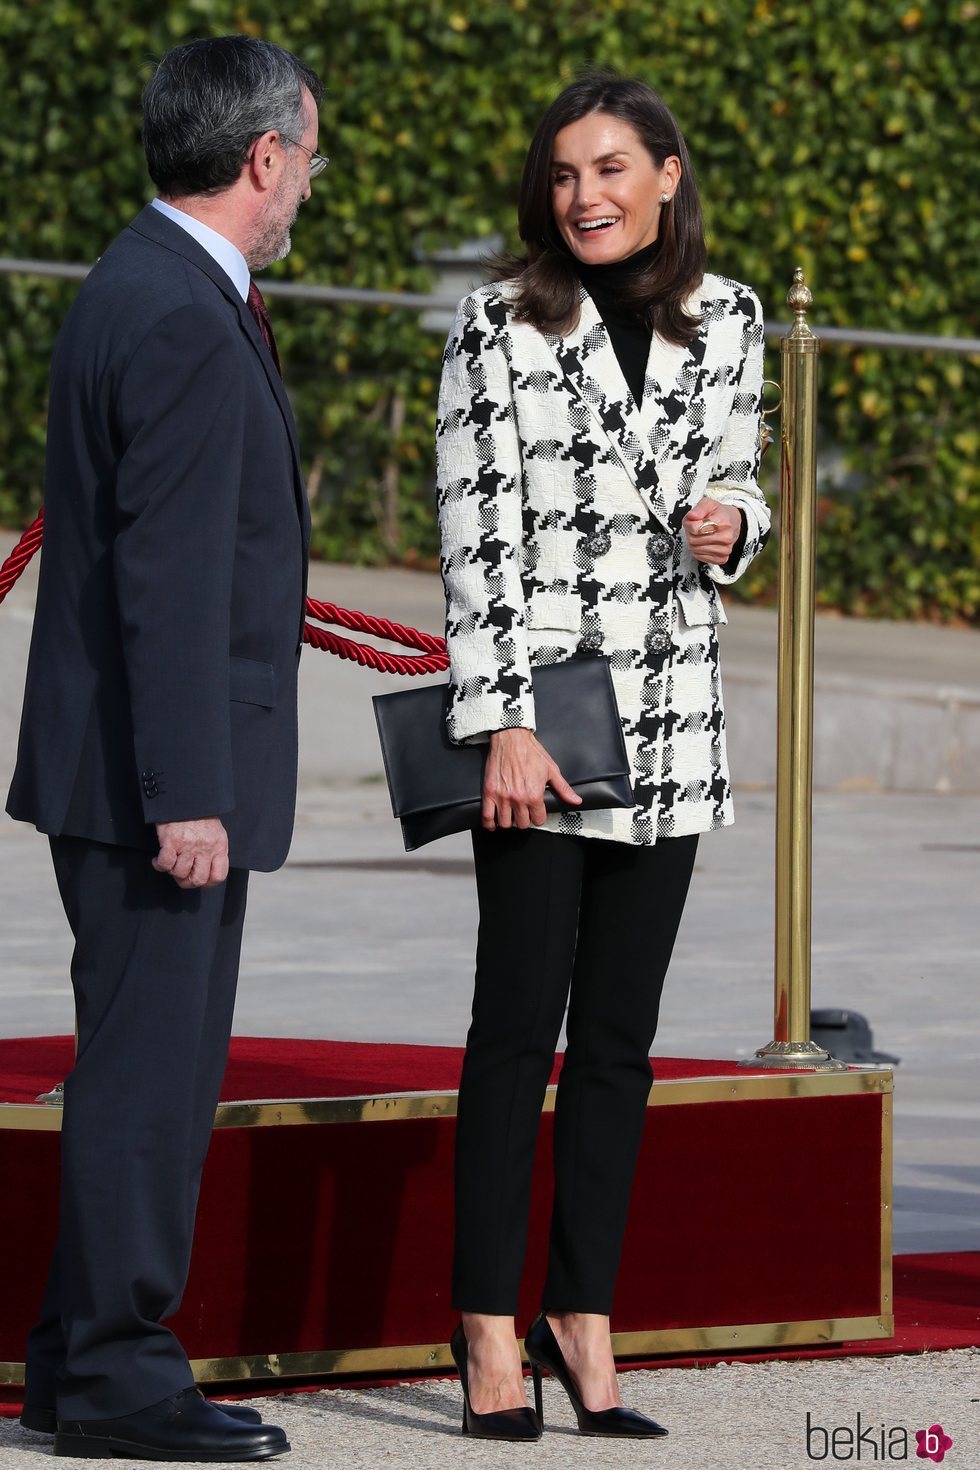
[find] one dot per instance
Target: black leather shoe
(244, 1413)
(44, 1420)
(543, 1351)
(505, 1423)
(182, 1427)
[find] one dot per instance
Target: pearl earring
(665, 199)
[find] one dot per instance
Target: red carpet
(260, 1068)
(937, 1307)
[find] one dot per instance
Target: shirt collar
(221, 250)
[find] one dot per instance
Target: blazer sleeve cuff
(471, 721)
(757, 525)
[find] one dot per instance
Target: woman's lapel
(650, 439)
(591, 371)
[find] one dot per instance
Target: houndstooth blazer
(560, 507)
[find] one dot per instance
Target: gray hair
(209, 100)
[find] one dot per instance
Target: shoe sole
(613, 1434)
(502, 1438)
(84, 1447)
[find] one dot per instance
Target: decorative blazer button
(590, 642)
(599, 543)
(660, 547)
(656, 642)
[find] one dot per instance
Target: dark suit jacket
(162, 677)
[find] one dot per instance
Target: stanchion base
(803, 1054)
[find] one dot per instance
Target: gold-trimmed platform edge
(422, 1357)
(433, 1356)
(393, 1107)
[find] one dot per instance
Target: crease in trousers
(589, 924)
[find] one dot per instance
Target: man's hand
(712, 530)
(516, 773)
(195, 854)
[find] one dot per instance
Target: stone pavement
(355, 939)
(729, 1417)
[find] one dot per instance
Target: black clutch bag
(437, 788)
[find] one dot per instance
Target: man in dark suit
(158, 741)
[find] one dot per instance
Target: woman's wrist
(514, 735)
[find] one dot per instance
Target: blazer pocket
(253, 682)
(560, 610)
(700, 607)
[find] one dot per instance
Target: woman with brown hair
(598, 449)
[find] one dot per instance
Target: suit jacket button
(589, 643)
(599, 543)
(656, 642)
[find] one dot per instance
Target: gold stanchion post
(792, 1046)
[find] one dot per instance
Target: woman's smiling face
(606, 188)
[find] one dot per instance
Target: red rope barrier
(358, 622)
(432, 660)
(21, 555)
(375, 658)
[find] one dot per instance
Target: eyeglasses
(317, 160)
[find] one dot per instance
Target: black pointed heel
(538, 1396)
(544, 1354)
(513, 1424)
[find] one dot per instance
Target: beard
(272, 240)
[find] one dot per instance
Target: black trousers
(591, 923)
(154, 973)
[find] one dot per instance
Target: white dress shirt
(227, 255)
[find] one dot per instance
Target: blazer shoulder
(740, 299)
(488, 306)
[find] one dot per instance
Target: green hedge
(842, 135)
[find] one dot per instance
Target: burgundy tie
(260, 312)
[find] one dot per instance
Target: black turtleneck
(628, 332)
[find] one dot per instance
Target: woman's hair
(547, 292)
(209, 100)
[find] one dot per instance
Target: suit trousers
(590, 923)
(154, 972)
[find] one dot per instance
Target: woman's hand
(712, 530)
(516, 773)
